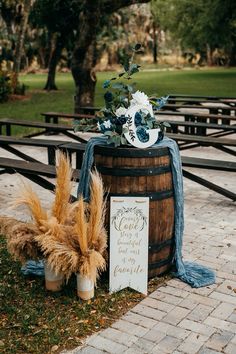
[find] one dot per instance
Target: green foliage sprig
(119, 93)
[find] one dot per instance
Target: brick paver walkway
(176, 318)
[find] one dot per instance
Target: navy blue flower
(160, 136)
(108, 96)
(142, 134)
(102, 128)
(137, 119)
(118, 129)
(121, 120)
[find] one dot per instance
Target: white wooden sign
(129, 220)
(131, 134)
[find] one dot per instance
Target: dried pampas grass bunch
(71, 236)
(21, 241)
(78, 247)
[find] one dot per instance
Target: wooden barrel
(144, 172)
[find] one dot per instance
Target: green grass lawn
(216, 82)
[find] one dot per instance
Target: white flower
(107, 124)
(120, 111)
(139, 98)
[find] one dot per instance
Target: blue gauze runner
(194, 274)
(33, 268)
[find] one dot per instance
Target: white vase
(85, 287)
(53, 281)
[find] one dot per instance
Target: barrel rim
(131, 151)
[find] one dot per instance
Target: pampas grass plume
(32, 201)
(81, 227)
(61, 206)
(97, 208)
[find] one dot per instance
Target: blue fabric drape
(33, 268)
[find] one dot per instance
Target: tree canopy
(202, 25)
(79, 30)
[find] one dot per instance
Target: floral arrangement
(114, 120)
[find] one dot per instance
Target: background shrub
(5, 86)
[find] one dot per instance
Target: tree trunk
(53, 61)
(154, 43)
(232, 57)
(209, 55)
(84, 54)
(85, 79)
(21, 38)
(45, 49)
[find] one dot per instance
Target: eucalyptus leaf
(149, 124)
(166, 124)
(117, 140)
(123, 140)
(108, 133)
(126, 66)
(112, 139)
(157, 125)
(130, 88)
(88, 127)
(118, 86)
(134, 68)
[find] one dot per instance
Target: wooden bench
(195, 162)
(203, 98)
(203, 140)
(52, 146)
(220, 143)
(208, 164)
(76, 148)
(196, 123)
(199, 101)
(222, 120)
(7, 143)
(33, 171)
(216, 109)
(53, 117)
(47, 127)
(206, 117)
(198, 128)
